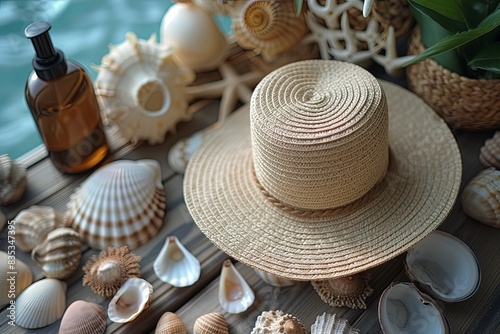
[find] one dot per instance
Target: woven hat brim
(414, 198)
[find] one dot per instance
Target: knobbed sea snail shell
(59, 254)
(278, 322)
(83, 317)
(12, 180)
(481, 197)
(490, 152)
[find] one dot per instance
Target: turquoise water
(83, 29)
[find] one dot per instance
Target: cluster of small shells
(12, 180)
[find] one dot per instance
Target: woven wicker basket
(464, 103)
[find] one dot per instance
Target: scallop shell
(278, 322)
(122, 203)
(33, 225)
(106, 273)
(490, 152)
(141, 89)
(350, 291)
(235, 295)
(211, 323)
(481, 197)
(12, 180)
(444, 266)
(12, 270)
(403, 308)
(175, 265)
(270, 27)
(331, 324)
(59, 254)
(193, 35)
(132, 298)
(83, 317)
(274, 280)
(170, 323)
(41, 304)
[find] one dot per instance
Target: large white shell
(331, 324)
(275, 280)
(59, 254)
(235, 295)
(132, 298)
(404, 309)
(175, 265)
(41, 304)
(193, 34)
(12, 180)
(83, 317)
(141, 89)
(122, 203)
(481, 197)
(270, 27)
(445, 267)
(490, 152)
(278, 322)
(34, 223)
(15, 277)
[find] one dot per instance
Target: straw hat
(323, 178)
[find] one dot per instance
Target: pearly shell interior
(131, 299)
(235, 295)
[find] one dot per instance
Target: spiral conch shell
(278, 322)
(11, 285)
(59, 255)
(331, 324)
(350, 291)
(141, 89)
(83, 317)
(481, 197)
(12, 180)
(490, 152)
(270, 27)
(211, 323)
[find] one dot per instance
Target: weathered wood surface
(479, 314)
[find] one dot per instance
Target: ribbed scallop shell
(235, 295)
(175, 265)
(275, 280)
(141, 89)
(59, 254)
(41, 304)
(132, 298)
(83, 317)
(278, 322)
(481, 197)
(34, 223)
(23, 277)
(211, 323)
(350, 291)
(170, 323)
(12, 180)
(270, 27)
(331, 324)
(122, 203)
(490, 152)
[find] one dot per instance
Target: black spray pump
(49, 63)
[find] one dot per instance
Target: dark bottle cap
(49, 63)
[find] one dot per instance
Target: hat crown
(319, 132)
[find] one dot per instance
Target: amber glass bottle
(62, 101)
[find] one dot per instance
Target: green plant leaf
(487, 59)
(424, 16)
(447, 8)
(297, 4)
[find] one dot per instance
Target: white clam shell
(141, 89)
(193, 34)
(175, 265)
(12, 180)
(331, 324)
(404, 309)
(34, 223)
(122, 203)
(15, 277)
(132, 298)
(235, 295)
(275, 280)
(481, 197)
(41, 304)
(59, 254)
(444, 266)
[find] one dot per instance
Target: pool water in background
(82, 29)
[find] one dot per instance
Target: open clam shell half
(403, 308)
(444, 266)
